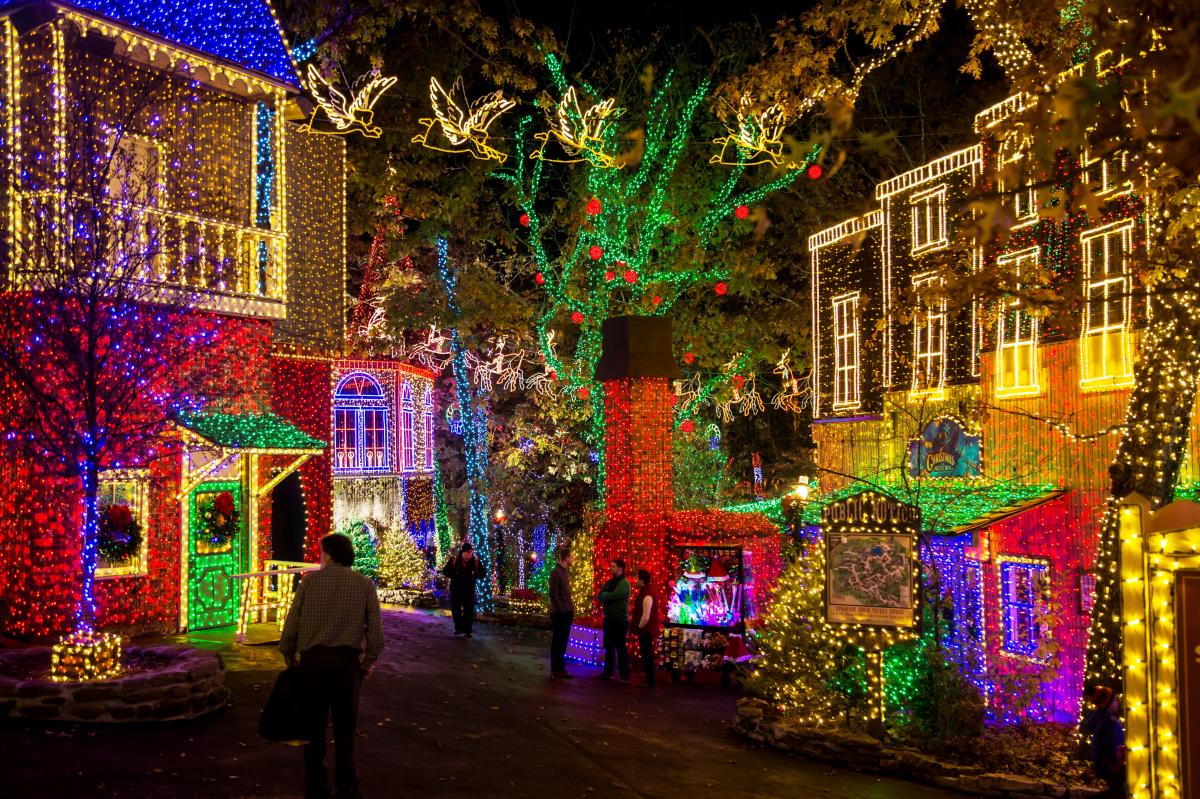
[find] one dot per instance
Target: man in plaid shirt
(334, 609)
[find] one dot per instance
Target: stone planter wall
(861, 752)
(407, 597)
(190, 683)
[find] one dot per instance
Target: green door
(216, 552)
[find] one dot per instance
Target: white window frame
(1015, 346)
(929, 220)
(1120, 289)
(929, 344)
(1113, 178)
(846, 352)
(137, 483)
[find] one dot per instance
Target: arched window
(407, 413)
(429, 442)
(360, 426)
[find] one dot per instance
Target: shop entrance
(216, 551)
(289, 522)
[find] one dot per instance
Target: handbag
(284, 719)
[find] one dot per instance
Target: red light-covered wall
(303, 394)
(40, 513)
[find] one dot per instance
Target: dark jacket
(1106, 745)
(614, 598)
(560, 591)
(463, 574)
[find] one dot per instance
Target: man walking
(334, 609)
(562, 612)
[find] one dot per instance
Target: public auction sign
(869, 558)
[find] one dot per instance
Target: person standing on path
(562, 613)
(334, 610)
(647, 624)
(1105, 738)
(614, 598)
(464, 570)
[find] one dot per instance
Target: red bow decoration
(223, 504)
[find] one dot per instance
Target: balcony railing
(208, 263)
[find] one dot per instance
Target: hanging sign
(944, 450)
(869, 560)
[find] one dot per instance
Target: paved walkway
(444, 717)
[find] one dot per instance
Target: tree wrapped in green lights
(645, 232)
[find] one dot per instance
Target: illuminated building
(250, 210)
(900, 376)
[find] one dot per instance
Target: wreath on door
(218, 519)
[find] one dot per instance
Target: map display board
(869, 556)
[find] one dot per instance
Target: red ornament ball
(553, 375)
(631, 276)
(583, 392)
(610, 276)
(656, 300)
(738, 381)
(814, 171)
(524, 220)
(721, 289)
(577, 318)
(540, 279)
(687, 426)
(742, 211)
(689, 357)
(596, 252)
(594, 207)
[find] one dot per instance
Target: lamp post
(794, 504)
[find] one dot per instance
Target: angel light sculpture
(459, 125)
(758, 138)
(579, 132)
(356, 115)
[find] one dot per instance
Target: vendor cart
(705, 612)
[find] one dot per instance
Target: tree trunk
(475, 450)
(1157, 424)
(85, 610)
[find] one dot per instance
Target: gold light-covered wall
(316, 248)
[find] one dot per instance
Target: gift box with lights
(85, 656)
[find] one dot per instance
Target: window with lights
(845, 352)
(1105, 172)
(929, 342)
(1017, 367)
(429, 439)
(1106, 357)
(360, 426)
(929, 220)
(1016, 178)
(408, 458)
(123, 500)
(1023, 581)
